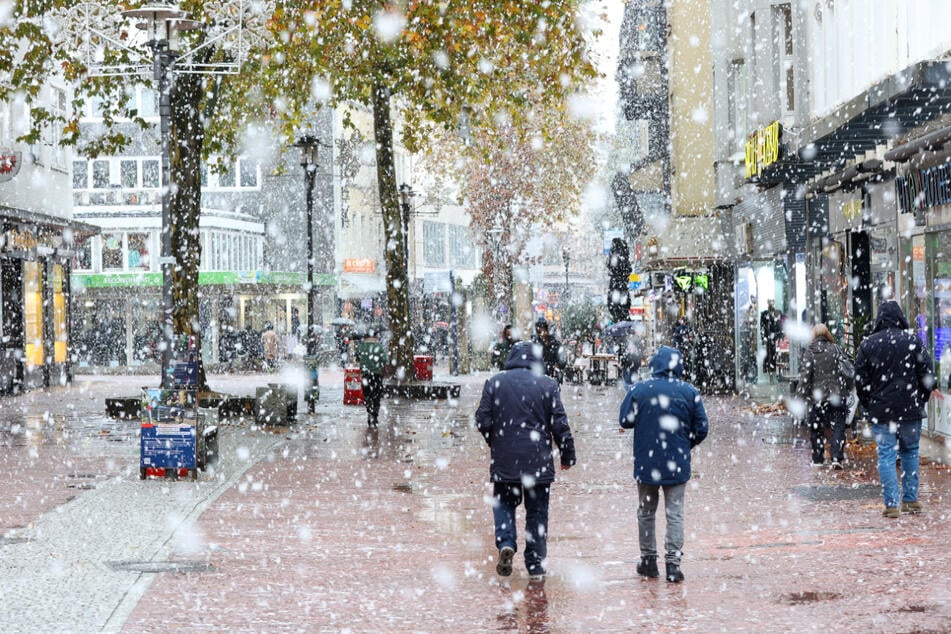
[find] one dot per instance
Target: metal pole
(453, 326)
(162, 61)
(310, 173)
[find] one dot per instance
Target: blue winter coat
(893, 371)
(668, 419)
(520, 416)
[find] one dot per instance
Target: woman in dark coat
(521, 417)
(825, 392)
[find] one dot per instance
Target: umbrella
(622, 329)
(342, 321)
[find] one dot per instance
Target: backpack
(846, 372)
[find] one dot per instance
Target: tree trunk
(187, 137)
(397, 279)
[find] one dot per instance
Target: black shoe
(504, 567)
(673, 573)
(648, 567)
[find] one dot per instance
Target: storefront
(35, 300)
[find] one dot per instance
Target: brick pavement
(340, 529)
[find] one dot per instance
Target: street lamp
(308, 145)
(566, 256)
(162, 23)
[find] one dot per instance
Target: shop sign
(686, 281)
(10, 162)
(359, 265)
(762, 149)
(852, 209)
(19, 240)
(923, 189)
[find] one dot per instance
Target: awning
(888, 110)
(357, 285)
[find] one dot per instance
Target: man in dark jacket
(502, 347)
(552, 351)
(520, 416)
(894, 379)
(669, 420)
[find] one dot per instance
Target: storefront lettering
(923, 189)
(852, 209)
(18, 240)
(762, 148)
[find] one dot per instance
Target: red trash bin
(352, 386)
(423, 363)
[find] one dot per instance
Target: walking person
(894, 379)
(270, 344)
(553, 353)
(502, 347)
(825, 382)
(521, 417)
(668, 420)
(372, 359)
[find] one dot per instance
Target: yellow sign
(762, 148)
(852, 209)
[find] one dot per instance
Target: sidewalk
(328, 527)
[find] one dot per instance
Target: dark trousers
(821, 417)
(372, 394)
(508, 495)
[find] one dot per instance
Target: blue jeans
(508, 495)
(906, 436)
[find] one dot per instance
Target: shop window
(33, 313)
(82, 254)
(60, 333)
(138, 251)
(111, 251)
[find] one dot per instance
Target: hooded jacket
(520, 416)
(819, 378)
(893, 372)
(668, 419)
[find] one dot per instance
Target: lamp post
(566, 256)
(163, 23)
(406, 199)
(495, 241)
(308, 145)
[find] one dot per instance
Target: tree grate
(183, 566)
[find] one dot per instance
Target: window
(149, 109)
(129, 174)
(59, 110)
(249, 173)
(100, 174)
(80, 174)
(226, 179)
(461, 249)
(736, 103)
(434, 243)
(82, 254)
(151, 175)
(783, 59)
(138, 251)
(112, 252)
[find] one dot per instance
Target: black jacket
(520, 416)
(893, 372)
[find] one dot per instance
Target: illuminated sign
(762, 149)
(10, 162)
(359, 265)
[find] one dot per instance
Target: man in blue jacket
(894, 379)
(668, 420)
(520, 416)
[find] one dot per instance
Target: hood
(526, 355)
(890, 315)
(667, 362)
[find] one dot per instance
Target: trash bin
(423, 363)
(352, 386)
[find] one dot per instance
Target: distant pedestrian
(553, 353)
(372, 358)
(668, 420)
(502, 347)
(521, 416)
(894, 379)
(270, 344)
(825, 383)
